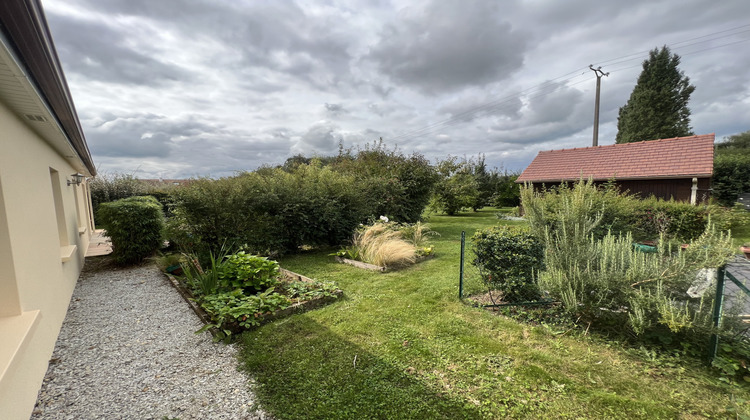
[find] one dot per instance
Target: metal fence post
(461, 271)
(713, 346)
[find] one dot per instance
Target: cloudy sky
(181, 88)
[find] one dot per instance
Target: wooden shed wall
(679, 189)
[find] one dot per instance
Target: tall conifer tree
(658, 106)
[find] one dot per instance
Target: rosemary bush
(608, 281)
(610, 210)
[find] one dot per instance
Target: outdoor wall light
(77, 179)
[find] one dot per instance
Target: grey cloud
(140, 135)
(560, 113)
(321, 137)
(98, 51)
(335, 110)
(469, 108)
(449, 45)
(277, 35)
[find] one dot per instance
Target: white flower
(384, 219)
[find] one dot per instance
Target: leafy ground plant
(239, 290)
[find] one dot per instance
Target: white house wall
(35, 282)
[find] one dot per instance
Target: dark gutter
(25, 27)
(637, 178)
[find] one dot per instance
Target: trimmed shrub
(508, 257)
(135, 226)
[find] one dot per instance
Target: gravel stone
(127, 350)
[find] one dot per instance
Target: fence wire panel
(737, 289)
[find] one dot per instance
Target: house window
(9, 301)
(87, 203)
(62, 229)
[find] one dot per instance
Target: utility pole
(599, 73)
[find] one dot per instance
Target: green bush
(731, 176)
(393, 184)
(135, 226)
(608, 282)
(507, 193)
(508, 258)
(677, 220)
(610, 211)
(248, 272)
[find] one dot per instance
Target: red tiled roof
(680, 157)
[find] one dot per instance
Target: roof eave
(632, 178)
(29, 44)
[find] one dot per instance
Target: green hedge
(135, 226)
(305, 202)
(269, 211)
(731, 176)
(106, 188)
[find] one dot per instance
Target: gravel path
(127, 350)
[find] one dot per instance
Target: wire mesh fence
(732, 300)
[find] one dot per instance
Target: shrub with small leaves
(508, 257)
(135, 225)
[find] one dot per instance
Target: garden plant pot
(175, 270)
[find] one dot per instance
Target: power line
(675, 45)
(504, 101)
(489, 106)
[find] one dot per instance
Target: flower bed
(247, 292)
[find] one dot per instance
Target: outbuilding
(679, 168)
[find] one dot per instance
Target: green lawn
(401, 345)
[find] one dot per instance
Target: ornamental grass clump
(381, 245)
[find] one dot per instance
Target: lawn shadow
(303, 370)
